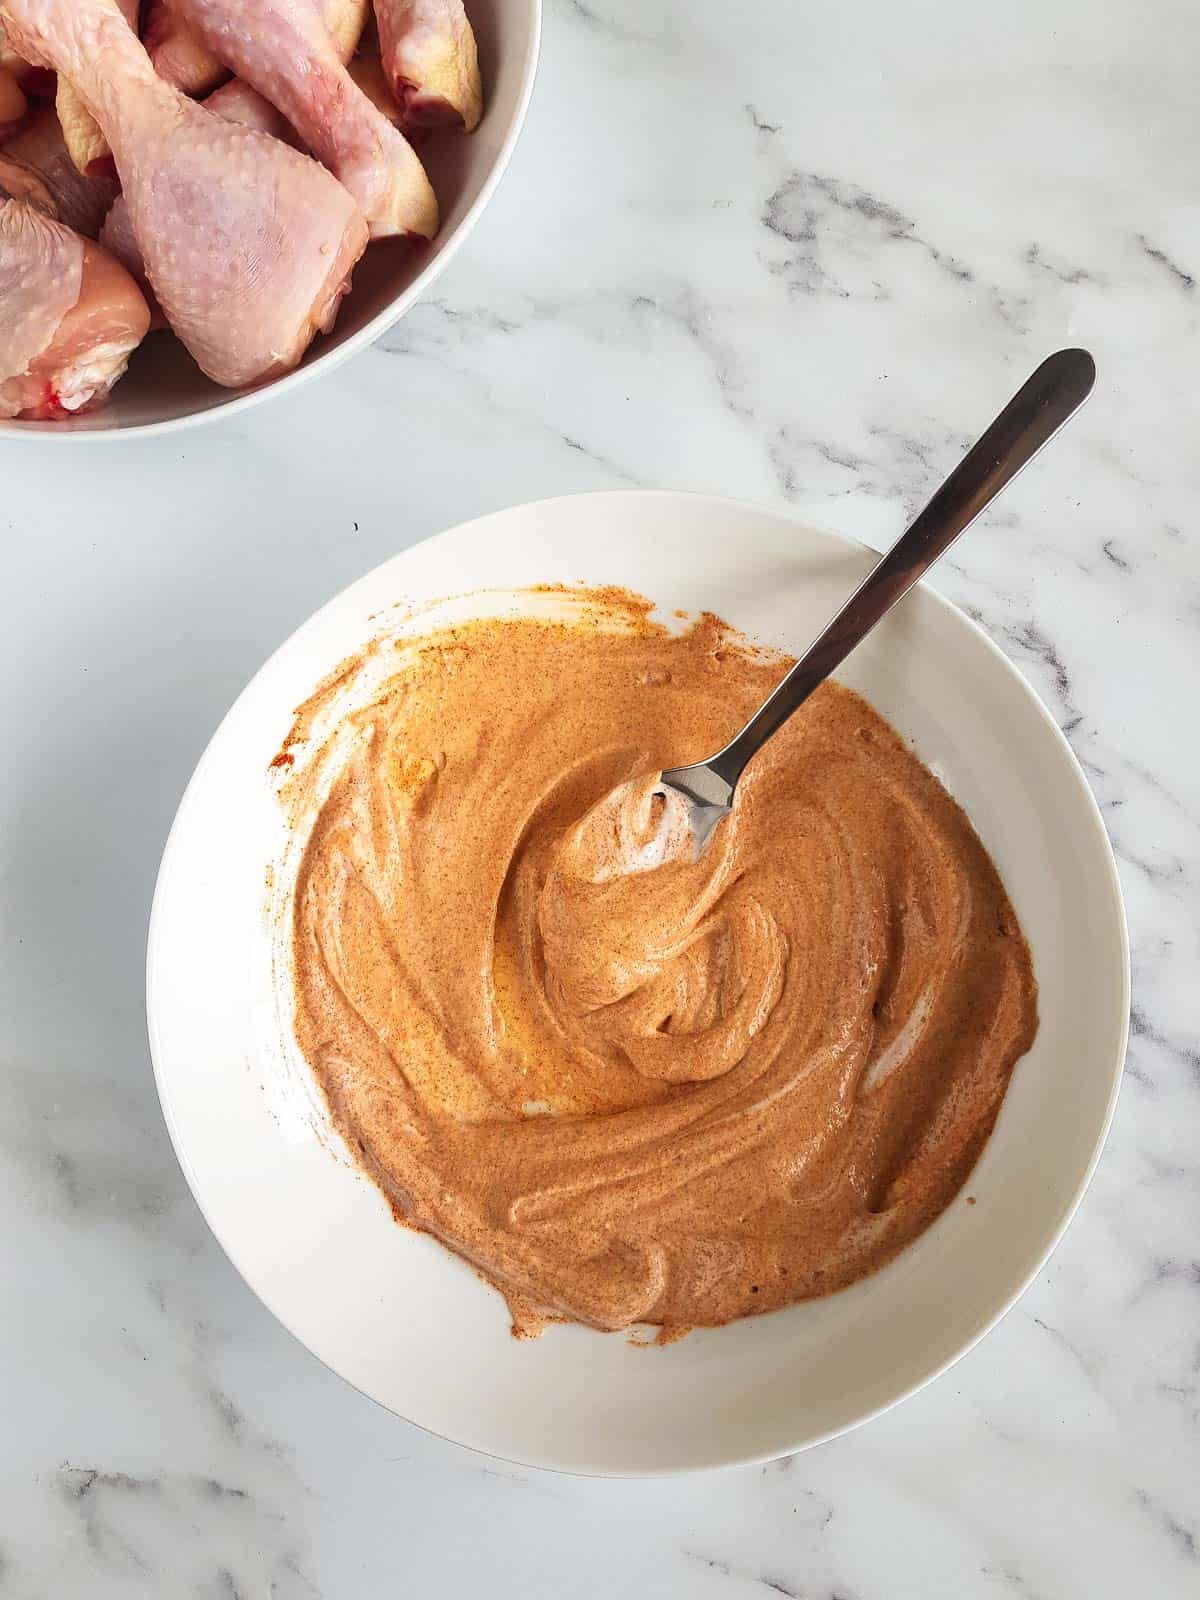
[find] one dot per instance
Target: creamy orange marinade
(633, 1089)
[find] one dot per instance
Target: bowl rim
(57, 436)
(1116, 1070)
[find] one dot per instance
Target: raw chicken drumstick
(70, 317)
(283, 48)
(82, 203)
(249, 245)
(428, 53)
(177, 54)
(181, 59)
(88, 146)
(235, 101)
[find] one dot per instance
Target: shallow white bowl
(164, 390)
(411, 1325)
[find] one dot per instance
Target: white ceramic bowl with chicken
(164, 390)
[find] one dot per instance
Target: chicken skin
(283, 48)
(70, 317)
(429, 56)
(249, 245)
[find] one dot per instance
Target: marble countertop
(792, 254)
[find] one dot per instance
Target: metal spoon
(1030, 419)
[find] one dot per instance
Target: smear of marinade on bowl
(628, 1086)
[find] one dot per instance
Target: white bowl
(409, 1323)
(164, 390)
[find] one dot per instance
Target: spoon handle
(1030, 419)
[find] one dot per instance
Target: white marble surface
(792, 254)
